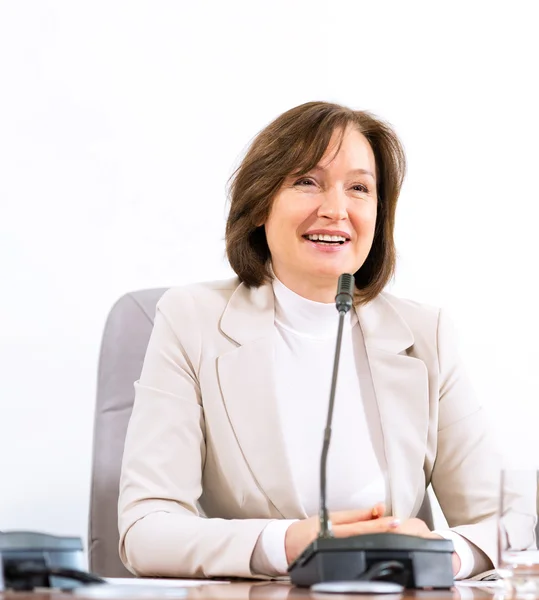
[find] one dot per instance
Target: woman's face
(337, 199)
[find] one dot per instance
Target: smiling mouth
(326, 240)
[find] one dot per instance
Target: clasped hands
(347, 523)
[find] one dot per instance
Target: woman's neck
(321, 290)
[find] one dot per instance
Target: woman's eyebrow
(352, 172)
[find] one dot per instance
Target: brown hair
(294, 143)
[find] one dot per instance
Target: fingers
(415, 527)
(378, 510)
(381, 525)
(353, 516)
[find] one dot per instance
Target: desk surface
(282, 591)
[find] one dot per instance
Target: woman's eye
(304, 181)
(360, 188)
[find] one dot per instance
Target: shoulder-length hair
(294, 143)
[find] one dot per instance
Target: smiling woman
(231, 403)
(338, 160)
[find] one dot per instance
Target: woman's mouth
(327, 243)
(326, 239)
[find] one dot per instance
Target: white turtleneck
(305, 338)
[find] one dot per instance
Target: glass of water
(518, 530)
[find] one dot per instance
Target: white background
(120, 123)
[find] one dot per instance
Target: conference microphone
(343, 301)
(411, 561)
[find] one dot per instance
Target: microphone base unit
(423, 562)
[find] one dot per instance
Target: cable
(15, 572)
(76, 575)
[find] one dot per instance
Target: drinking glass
(518, 530)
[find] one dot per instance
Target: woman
(231, 403)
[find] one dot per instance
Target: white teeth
(315, 237)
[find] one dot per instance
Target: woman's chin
(327, 273)
(330, 265)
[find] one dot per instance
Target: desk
(250, 590)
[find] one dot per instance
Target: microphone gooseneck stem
(325, 522)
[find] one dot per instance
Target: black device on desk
(31, 560)
(411, 561)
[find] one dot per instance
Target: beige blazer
(204, 433)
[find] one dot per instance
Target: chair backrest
(125, 339)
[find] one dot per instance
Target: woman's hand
(355, 522)
(419, 528)
(415, 527)
(345, 523)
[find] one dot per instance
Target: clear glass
(518, 530)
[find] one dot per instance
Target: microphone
(343, 302)
(408, 560)
(345, 294)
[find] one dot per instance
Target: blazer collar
(247, 381)
(249, 315)
(400, 383)
(383, 327)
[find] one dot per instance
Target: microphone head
(346, 284)
(345, 292)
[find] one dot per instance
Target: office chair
(125, 338)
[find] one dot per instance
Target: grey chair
(125, 339)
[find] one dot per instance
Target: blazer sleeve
(466, 472)
(161, 530)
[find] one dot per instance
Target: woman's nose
(334, 205)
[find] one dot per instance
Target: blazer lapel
(400, 385)
(247, 380)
